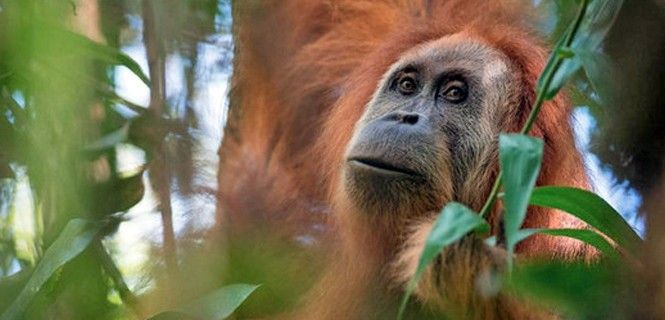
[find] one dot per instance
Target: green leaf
(113, 56)
(553, 63)
(588, 236)
(520, 158)
(599, 70)
(591, 209)
(563, 71)
(173, 315)
(454, 222)
(219, 304)
(598, 20)
(101, 52)
(76, 236)
(584, 35)
(581, 290)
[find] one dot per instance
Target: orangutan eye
(407, 85)
(454, 91)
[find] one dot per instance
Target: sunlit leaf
(588, 236)
(591, 209)
(76, 236)
(454, 222)
(520, 158)
(219, 304)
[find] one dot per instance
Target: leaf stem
(540, 99)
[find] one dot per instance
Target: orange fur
(304, 70)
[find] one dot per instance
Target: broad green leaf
(520, 158)
(578, 290)
(591, 209)
(454, 222)
(588, 236)
(219, 304)
(76, 236)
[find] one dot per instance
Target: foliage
(63, 122)
(520, 158)
(216, 305)
(71, 242)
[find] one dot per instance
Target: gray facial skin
(432, 123)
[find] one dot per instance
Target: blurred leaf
(76, 236)
(583, 95)
(112, 270)
(105, 53)
(564, 11)
(6, 171)
(591, 209)
(7, 146)
(585, 34)
(8, 135)
(562, 72)
(520, 159)
(147, 130)
(118, 194)
(173, 315)
(112, 97)
(599, 70)
(219, 304)
(588, 236)
(598, 20)
(454, 222)
(100, 52)
(110, 140)
(583, 290)
(11, 286)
